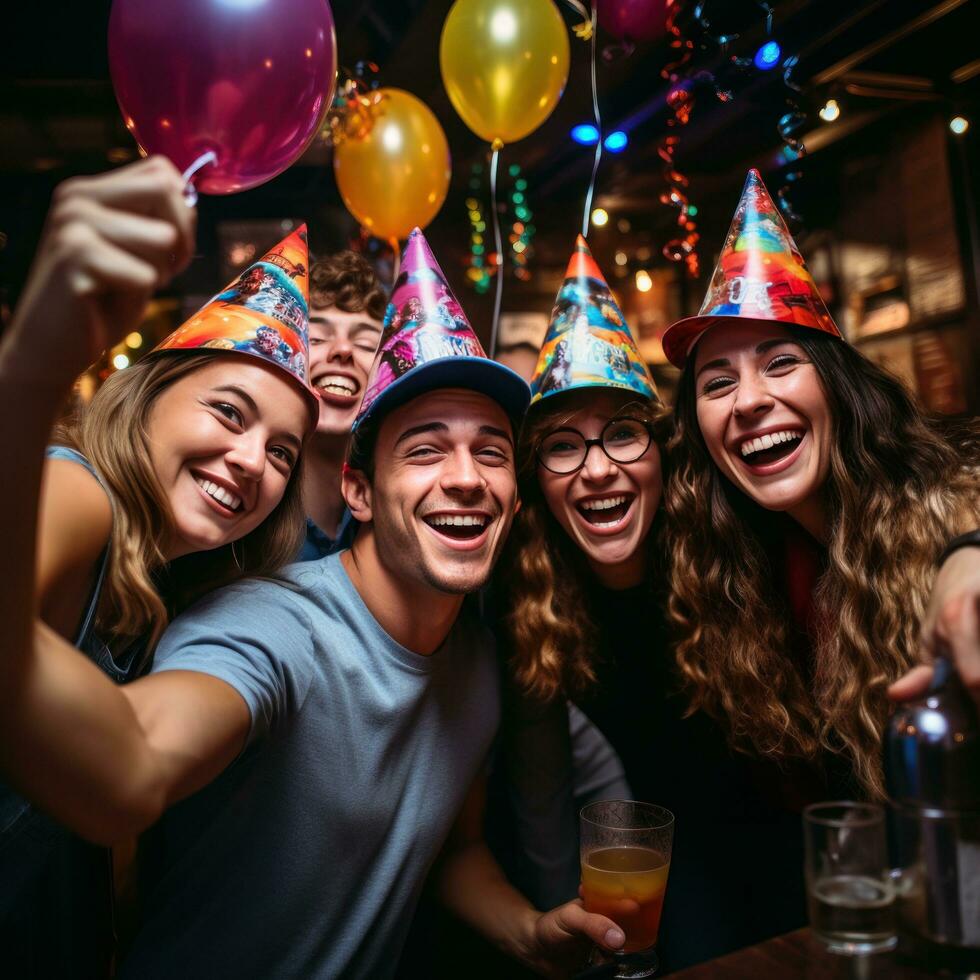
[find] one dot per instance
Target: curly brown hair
(347, 281)
(552, 636)
(897, 490)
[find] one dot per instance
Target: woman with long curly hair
(810, 501)
(182, 474)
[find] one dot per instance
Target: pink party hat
(428, 343)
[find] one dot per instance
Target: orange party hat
(263, 313)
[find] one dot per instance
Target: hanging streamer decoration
(791, 123)
(352, 115)
(680, 102)
(482, 264)
(354, 106)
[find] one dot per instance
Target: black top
(736, 873)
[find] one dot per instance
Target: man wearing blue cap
(369, 701)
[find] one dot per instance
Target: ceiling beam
(845, 65)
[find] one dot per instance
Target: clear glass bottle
(932, 766)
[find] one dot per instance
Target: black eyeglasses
(623, 440)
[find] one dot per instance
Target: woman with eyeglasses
(584, 584)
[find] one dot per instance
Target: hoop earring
(234, 554)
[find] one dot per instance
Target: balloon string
(598, 126)
(396, 262)
(500, 249)
(190, 191)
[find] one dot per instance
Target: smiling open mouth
(224, 498)
(770, 448)
(459, 527)
(606, 511)
(337, 384)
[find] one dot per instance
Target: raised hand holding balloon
(504, 64)
(248, 82)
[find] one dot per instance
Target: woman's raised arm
(102, 759)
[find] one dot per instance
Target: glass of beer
(625, 861)
(849, 885)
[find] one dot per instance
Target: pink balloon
(638, 20)
(249, 79)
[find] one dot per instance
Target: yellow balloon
(397, 176)
(504, 64)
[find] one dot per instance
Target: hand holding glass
(625, 861)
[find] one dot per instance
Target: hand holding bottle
(951, 622)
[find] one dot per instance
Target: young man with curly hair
(347, 306)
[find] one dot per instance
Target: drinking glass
(850, 889)
(625, 861)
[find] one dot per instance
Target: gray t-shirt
(306, 857)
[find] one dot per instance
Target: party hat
(760, 276)
(588, 343)
(428, 343)
(263, 313)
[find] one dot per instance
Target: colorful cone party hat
(588, 343)
(760, 276)
(264, 313)
(428, 343)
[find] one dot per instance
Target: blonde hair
(552, 635)
(898, 489)
(112, 434)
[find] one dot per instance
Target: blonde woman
(182, 474)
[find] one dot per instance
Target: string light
(830, 111)
(134, 340)
(616, 141)
(477, 271)
(483, 263)
(767, 57)
(586, 134)
(600, 217)
(120, 361)
(643, 281)
(680, 102)
(958, 125)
